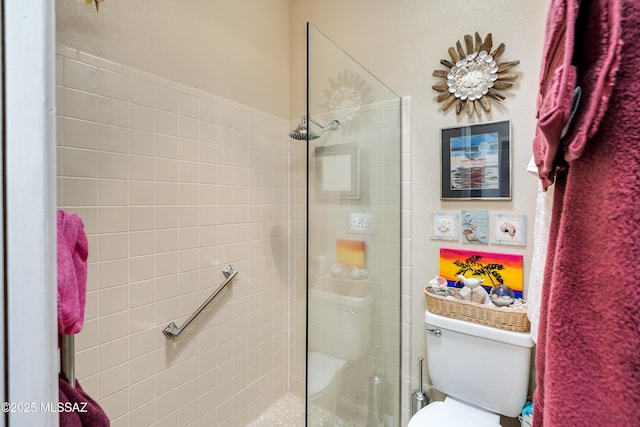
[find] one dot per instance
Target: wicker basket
(502, 318)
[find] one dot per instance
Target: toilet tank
(339, 325)
(481, 365)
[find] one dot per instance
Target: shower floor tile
(288, 411)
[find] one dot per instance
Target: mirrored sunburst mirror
(474, 76)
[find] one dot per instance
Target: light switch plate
(361, 222)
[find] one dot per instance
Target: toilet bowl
(452, 413)
(323, 369)
(483, 371)
(339, 333)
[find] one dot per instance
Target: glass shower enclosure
(353, 128)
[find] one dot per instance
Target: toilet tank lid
(522, 339)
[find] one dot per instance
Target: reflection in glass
(353, 277)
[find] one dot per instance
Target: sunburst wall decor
(474, 75)
(346, 95)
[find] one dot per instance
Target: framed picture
(337, 172)
(444, 226)
(476, 162)
(510, 229)
(475, 227)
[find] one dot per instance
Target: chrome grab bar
(172, 330)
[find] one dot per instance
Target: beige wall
(235, 49)
(402, 43)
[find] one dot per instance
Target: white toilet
(339, 332)
(483, 371)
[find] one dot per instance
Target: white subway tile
(167, 240)
(168, 99)
(142, 118)
(80, 105)
(59, 73)
(142, 143)
(141, 92)
(113, 220)
(189, 149)
(167, 288)
(167, 170)
(189, 127)
(113, 138)
(142, 369)
(188, 194)
(99, 62)
(142, 193)
(79, 163)
(81, 76)
(143, 415)
(142, 243)
(113, 85)
(142, 268)
(142, 218)
(167, 123)
(142, 168)
(189, 106)
(208, 131)
(79, 192)
(141, 318)
(66, 51)
(86, 361)
(189, 172)
(112, 192)
(167, 216)
(209, 111)
(188, 216)
(79, 133)
(112, 273)
(167, 193)
(226, 115)
(113, 246)
(112, 381)
(113, 165)
(167, 146)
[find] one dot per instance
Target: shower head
(300, 133)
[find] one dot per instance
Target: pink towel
(588, 349)
(77, 408)
(559, 77)
(73, 250)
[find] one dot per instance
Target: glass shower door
(353, 274)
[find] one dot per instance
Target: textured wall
(402, 43)
(227, 48)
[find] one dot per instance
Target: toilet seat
(452, 413)
(322, 370)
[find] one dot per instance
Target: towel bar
(67, 358)
(173, 331)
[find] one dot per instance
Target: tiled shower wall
(173, 184)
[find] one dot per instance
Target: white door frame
(30, 185)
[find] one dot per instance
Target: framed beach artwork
(476, 162)
(475, 227)
(510, 229)
(493, 268)
(445, 226)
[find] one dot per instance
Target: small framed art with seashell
(509, 229)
